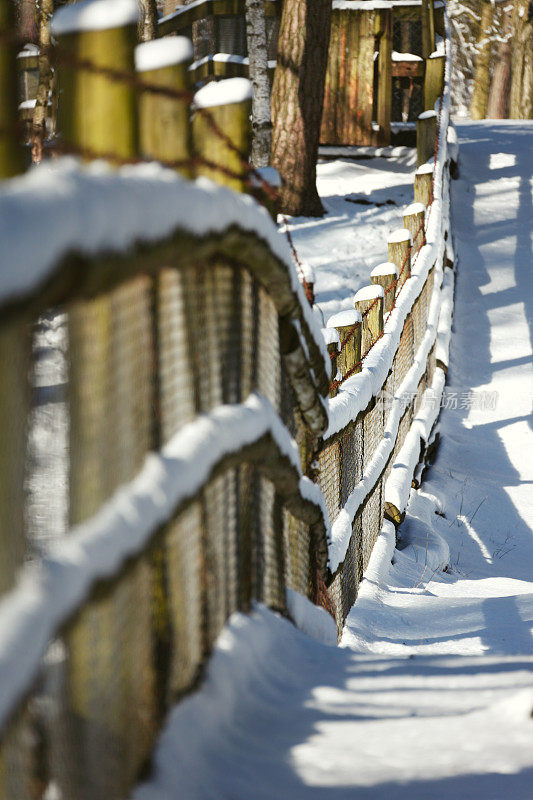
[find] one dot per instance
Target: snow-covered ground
(364, 200)
(430, 695)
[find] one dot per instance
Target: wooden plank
(384, 88)
(408, 69)
(184, 17)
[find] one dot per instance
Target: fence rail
(173, 445)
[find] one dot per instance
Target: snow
(222, 93)
(312, 620)
(425, 169)
(268, 174)
(94, 15)
(414, 208)
(344, 318)
(431, 693)
(226, 58)
(405, 56)
(331, 336)
(385, 268)
(161, 53)
(370, 292)
(399, 235)
(47, 593)
(427, 115)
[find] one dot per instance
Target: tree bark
(258, 60)
(497, 106)
(521, 100)
(478, 105)
(297, 99)
(148, 21)
(40, 113)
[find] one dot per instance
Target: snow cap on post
(94, 15)
(222, 131)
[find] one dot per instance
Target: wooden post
(15, 348)
(97, 114)
(413, 221)
(433, 80)
(344, 323)
(427, 18)
(426, 133)
(11, 153)
(228, 105)
(384, 89)
(399, 246)
(386, 275)
(369, 302)
(423, 187)
(164, 129)
(333, 343)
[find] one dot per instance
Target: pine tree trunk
(297, 99)
(258, 59)
(497, 106)
(40, 113)
(478, 106)
(521, 100)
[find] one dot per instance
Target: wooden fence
(206, 455)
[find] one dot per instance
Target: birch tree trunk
(258, 60)
(521, 100)
(297, 99)
(478, 105)
(40, 113)
(498, 104)
(148, 21)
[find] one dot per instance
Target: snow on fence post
(369, 303)
(433, 80)
(386, 275)
(413, 220)
(11, 153)
(164, 122)
(399, 247)
(348, 324)
(97, 111)
(423, 186)
(223, 108)
(426, 131)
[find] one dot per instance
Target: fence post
(164, 129)
(386, 275)
(426, 132)
(399, 247)
(346, 322)
(413, 220)
(223, 108)
(11, 152)
(369, 302)
(433, 80)
(97, 112)
(423, 186)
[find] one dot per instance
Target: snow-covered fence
(169, 451)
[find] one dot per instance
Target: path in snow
(431, 694)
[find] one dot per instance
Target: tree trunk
(497, 106)
(478, 105)
(148, 20)
(40, 113)
(521, 101)
(258, 59)
(297, 98)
